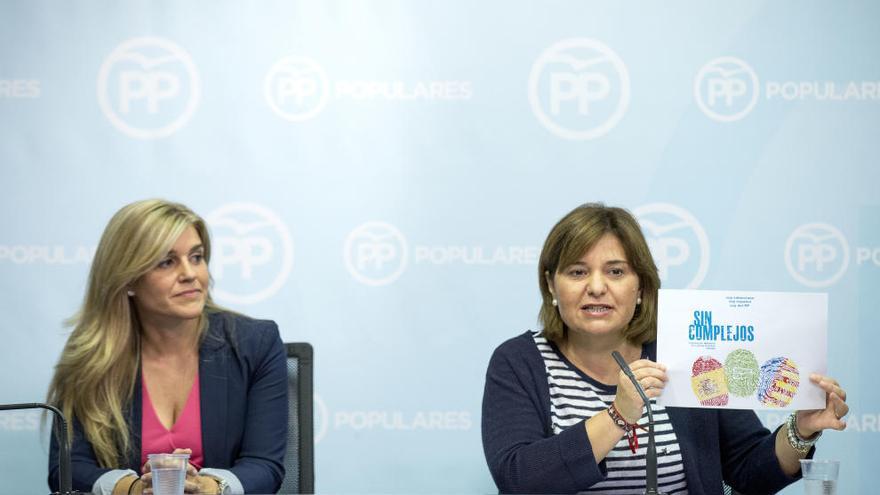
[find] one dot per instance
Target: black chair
(299, 460)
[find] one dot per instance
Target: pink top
(185, 434)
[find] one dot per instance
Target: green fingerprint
(742, 372)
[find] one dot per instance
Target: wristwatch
(798, 443)
(222, 486)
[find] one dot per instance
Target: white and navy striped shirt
(574, 396)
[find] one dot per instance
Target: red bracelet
(628, 428)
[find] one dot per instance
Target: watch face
(221, 484)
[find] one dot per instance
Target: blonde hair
(96, 373)
(573, 236)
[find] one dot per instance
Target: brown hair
(573, 236)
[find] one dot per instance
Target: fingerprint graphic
(708, 381)
(741, 370)
(779, 382)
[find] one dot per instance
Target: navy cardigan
(524, 455)
(243, 393)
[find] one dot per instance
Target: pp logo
(252, 253)
(579, 89)
(375, 253)
(322, 418)
(816, 254)
(678, 242)
(148, 88)
(726, 89)
(296, 88)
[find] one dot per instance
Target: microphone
(651, 454)
(65, 482)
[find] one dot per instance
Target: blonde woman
(153, 366)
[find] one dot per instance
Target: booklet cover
(742, 350)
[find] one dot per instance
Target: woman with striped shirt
(560, 417)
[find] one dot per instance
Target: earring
(130, 293)
(554, 302)
(638, 301)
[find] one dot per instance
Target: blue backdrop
(379, 178)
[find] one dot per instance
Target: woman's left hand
(812, 421)
(191, 484)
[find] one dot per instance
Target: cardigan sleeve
(748, 454)
(523, 455)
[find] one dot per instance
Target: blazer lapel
(213, 393)
(135, 422)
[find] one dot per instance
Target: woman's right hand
(651, 376)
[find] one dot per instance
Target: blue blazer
(243, 393)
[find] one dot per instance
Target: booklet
(742, 350)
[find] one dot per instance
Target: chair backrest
(299, 460)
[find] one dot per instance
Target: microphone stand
(651, 453)
(65, 483)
